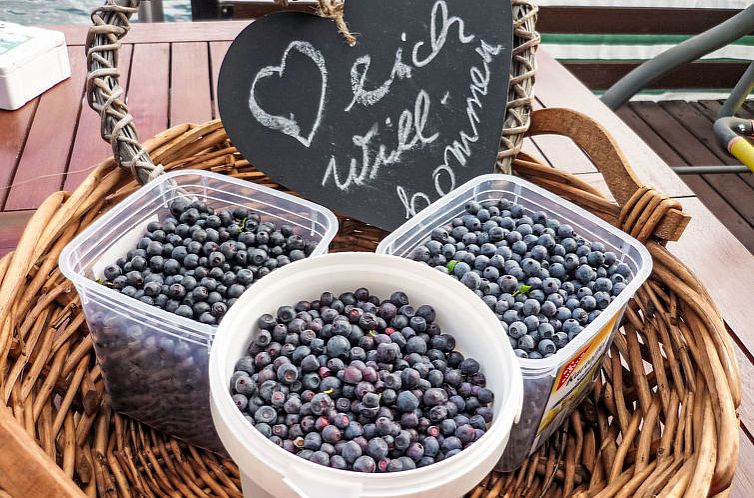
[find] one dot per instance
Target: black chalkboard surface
(379, 130)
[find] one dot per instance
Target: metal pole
(739, 93)
(687, 51)
(151, 11)
(709, 170)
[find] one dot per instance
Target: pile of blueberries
(197, 262)
(353, 382)
(544, 282)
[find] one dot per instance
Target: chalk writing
(380, 130)
(410, 134)
(289, 125)
(359, 75)
(437, 40)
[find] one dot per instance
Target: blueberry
(265, 414)
(351, 451)
(560, 339)
(377, 448)
(546, 346)
(364, 464)
(338, 346)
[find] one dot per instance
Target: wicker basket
(661, 420)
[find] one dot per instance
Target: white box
(31, 61)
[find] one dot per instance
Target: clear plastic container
(553, 386)
(269, 471)
(154, 363)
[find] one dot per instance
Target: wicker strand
(661, 416)
(104, 93)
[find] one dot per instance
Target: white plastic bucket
(267, 468)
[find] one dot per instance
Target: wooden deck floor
(681, 133)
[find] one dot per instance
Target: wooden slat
(699, 120)
(88, 146)
(190, 95)
(556, 87)
(528, 146)
(730, 218)
(734, 190)
(722, 264)
(250, 9)
(601, 75)
(148, 88)
(28, 471)
(598, 181)
(45, 157)
(14, 128)
(12, 224)
(174, 32)
(710, 109)
(568, 155)
(217, 52)
(629, 20)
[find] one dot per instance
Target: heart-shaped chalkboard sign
(379, 130)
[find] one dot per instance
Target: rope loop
(644, 211)
(330, 9)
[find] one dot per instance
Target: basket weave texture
(661, 419)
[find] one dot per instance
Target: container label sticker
(574, 379)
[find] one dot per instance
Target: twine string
(331, 9)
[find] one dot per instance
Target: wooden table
(170, 72)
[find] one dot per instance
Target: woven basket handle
(644, 211)
(107, 97)
(103, 90)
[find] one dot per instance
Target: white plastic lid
(20, 44)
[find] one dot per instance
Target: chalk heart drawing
(289, 125)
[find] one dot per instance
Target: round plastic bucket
(268, 470)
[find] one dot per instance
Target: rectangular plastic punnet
(154, 363)
(553, 386)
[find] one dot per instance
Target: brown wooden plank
(14, 128)
(528, 146)
(217, 52)
(722, 264)
(12, 224)
(711, 108)
(89, 149)
(629, 20)
(148, 88)
(734, 190)
(561, 152)
(45, 156)
(596, 180)
(173, 32)
(556, 87)
(700, 126)
(731, 219)
(251, 9)
(28, 471)
(601, 75)
(190, 95)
